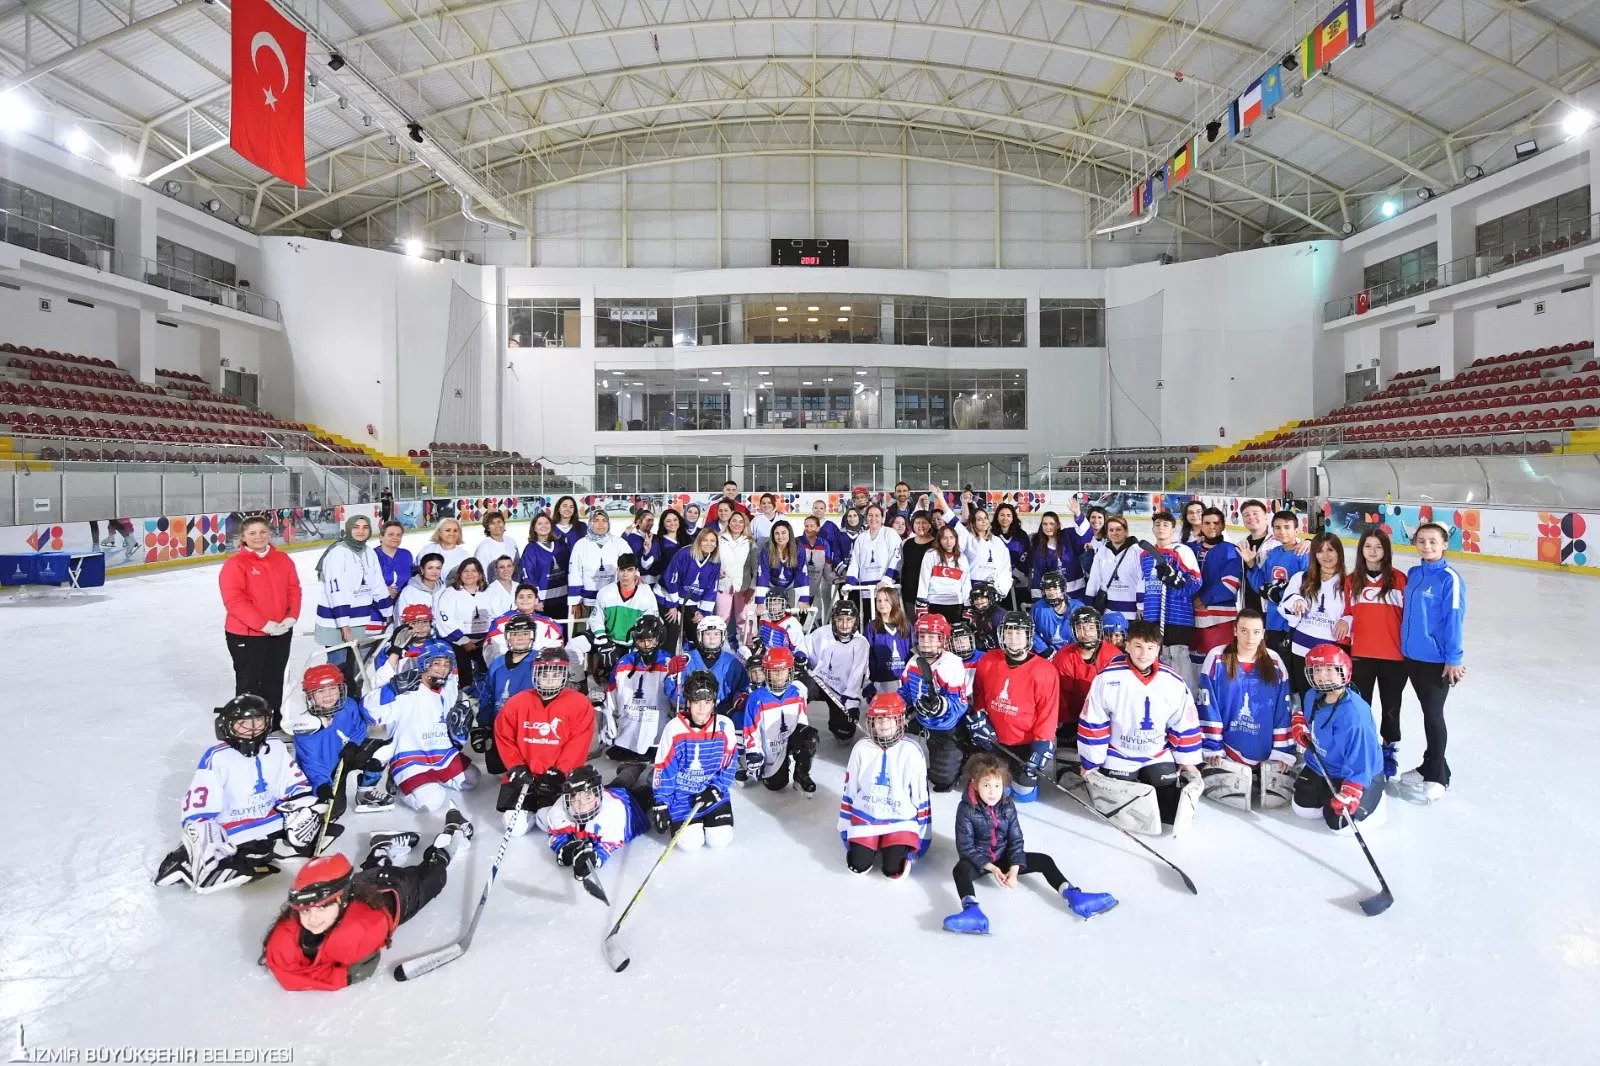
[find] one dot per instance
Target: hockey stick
(1373, 905)
(422, 964)
(1187, 883)
(327, 815)
(615, 957)
(1155, 557)
(591, 885)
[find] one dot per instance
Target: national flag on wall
(1138, 199)
(1311, 54)
(1339, 31)
(1183, 162)
(268, 109)
(1262, 96)
(1154, 186)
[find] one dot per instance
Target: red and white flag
(269, 94)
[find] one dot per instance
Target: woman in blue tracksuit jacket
(689, 587)
(1431, 641)
(544, 565)
(1008, 527)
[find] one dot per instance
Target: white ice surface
(770, 951)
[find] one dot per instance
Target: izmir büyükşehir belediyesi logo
(19, 1050)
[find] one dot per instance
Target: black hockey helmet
(700, 687)
(237, 712)
(581, 794)
(1087, 617)
(1014, 623)
(518, 624)
(648, 628)
(845, 609)
(756, 663)
(984, 590)
(962, 638)
(1053, 582)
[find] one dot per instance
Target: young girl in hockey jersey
(1342, 779)
(694, 768)
(1314, 602)
(462, 619)
(776, 729)
(1243, 700)
(781, 574)
(945, 583)
(1009, 529)
(636, 705)
(334, 741)
(874, 556)
(1374, 605)
(838, 655)
(419, 712)
(885, 817)
(247, 802)
(889, 641)
(689, 587)
(989, 841)
(1058, 549)
(933, 687)
(568, 527)
(818, 553)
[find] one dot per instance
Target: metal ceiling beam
(89, 48)
(334, 197)
(1555, 92)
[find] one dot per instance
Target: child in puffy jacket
(989, 841)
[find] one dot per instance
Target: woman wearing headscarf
(352, 599)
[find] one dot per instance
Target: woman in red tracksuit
(261, 594)
(1374, 601)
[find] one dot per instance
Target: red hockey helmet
(934, 626)
(779, 658)
(323, 880)
(316, 678)
(1334, 664)
(886, 719)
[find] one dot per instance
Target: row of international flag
(1340, 30)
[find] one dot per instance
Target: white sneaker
(1415, 788)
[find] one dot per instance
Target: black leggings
(413, 886)
(1034, 862)
(1428, 682)
(950, 612)
(1390, 677)
(469, 665)
(862, 858)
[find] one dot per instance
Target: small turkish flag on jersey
(269, 96)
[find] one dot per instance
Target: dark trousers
(1310, 790)
(945, 756)
(1033, 862)
(469, 665)
(1390, 677)
(258, 666)
(1428, 682)
(413, 886)
(861, 858)
(951, 612)
(1282, 642)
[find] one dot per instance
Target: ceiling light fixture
(172, 187)
(1576, 123)
(213, 205)
(336, 234)
(15, 114)
(1389, 209)
(844, 307)
(413, 247)
(414, 129)
(76, 141)
(241, 220)
(123, 164)
(335, 62)
(1473, 172)
(813, 309)
(782, 319)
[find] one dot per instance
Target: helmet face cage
(1087, 629)
(962, 641)
(242, 723)
(757, 674)
(325, 699)
(982, 592)
(647, 642)
(711, 626)
(886, 728)
(429, 663)
(778, 676)
(844, 620)
(1328, 668)
(1016, 639)
(519, 638)
(550, 676)
(582, 803)
(776, 607)
(1052, 583)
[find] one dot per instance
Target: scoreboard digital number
(810, 253)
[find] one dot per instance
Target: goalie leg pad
(1188, 802)
(1227, 783)
(1277, 785)
(1130, 805)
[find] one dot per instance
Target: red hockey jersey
(1076, 677)
(1022, 701)
(529, 732)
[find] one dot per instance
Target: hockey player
(618, 606)
(1243, 700)
(985, 615)
(965, 647)
(336, 742)
(1052, 615)
(888, 640)
(839, 657)
(709, 651)
(1077, 665)
(636, 704)
(1270, 576)
(403, 641)
(247, 801)
(885, 817)
(932, 687)
(781, 572)
(337, 920)
(776, 730)
(989, 841)
(780, 629)
(695, 761)
(688, 589)
(1314, 602)
(1216, 605)
(427, 729)
(508, 675)
(1139, 740)
(591, 823)
(546, 634)
(1115, 626)
(874, 556)
(1171, 580)
(1020, 694)
(1340, 741)
(542, 736)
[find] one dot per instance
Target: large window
(811, 318)
(1407, 271)
(543, 322)
(956, 472)
(698, 320)
(633, 323)
(809, 398)
(1537, 228)
(34, 220)
(179, 261)
(1072, 323)
(811, 473)
(960, 323)
(695, 473)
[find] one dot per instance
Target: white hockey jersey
(1130, 721)
(1119, 576)
(770, 720)
(874, 560)
(636, 707)
(840, 665)
(489, 550)
(618, 822)
(886, 792)
(944, 582)
(243, 791)
(461, 615)
(594, 565)
(1313, 617)
(352, 593)
(988, 558)
(423, 750)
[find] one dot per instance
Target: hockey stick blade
(422, 964)
(1373, 905)
(615, 956)
(611, 947)
(591, 885)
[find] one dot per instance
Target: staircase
(1582, 441)
(1217, 456)
(398, 463)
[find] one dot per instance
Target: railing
(87, 251)
(1559, 236)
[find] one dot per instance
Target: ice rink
(771, 951)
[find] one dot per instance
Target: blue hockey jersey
(887, 653)
(780, 577)
(1346, 735)
(545, 568)
(1179, 601)
(1279, 564)
(502, 681)
(1051, 630)
(689, 759)
(1221, 571)
(690, 582)
(1435, 611)
(1244, 717)
(318, 752)
(949, 683)
(727, 668)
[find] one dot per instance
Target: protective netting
(1133, 361)
(472, 326)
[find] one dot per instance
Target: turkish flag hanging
(269, 95)
(1363, 302)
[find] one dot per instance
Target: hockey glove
(1274, 591)
(518, 776)
(753, 763)
(585, 862)
(1171, 576)
(677, 665)
(325, 792)
(928, 705)
(1299, 731)
(569, 852)
(398, 642)
(660, 818)
(1039, 757)
(408, 679)
(709, 797)
(302, 817)
(482, 738)
(979, 730)
(363, 756)
(1348, 800)
(360, 971)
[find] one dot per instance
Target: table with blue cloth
(79, 570)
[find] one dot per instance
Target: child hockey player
(885, 817)
(1115, 625)
(1052, 615)
(780, 629)
(932, 687)
(329, 934)
(709, 651)
(839, 657)
(985, 615)
(336, 742)
(508, 675)
(1147, 707)
(1341, 745)
(618, 607)
(694, 767)
(1078, 664)
(1243, 701)
(964, 645)
(542, 735)
(989, 841)
(1020, 695)
(420, 711)
(776, 730)
(1270, 575)
(546, 634)
(247, 801)
(591, 823)
(636, 704)
(403, 641)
